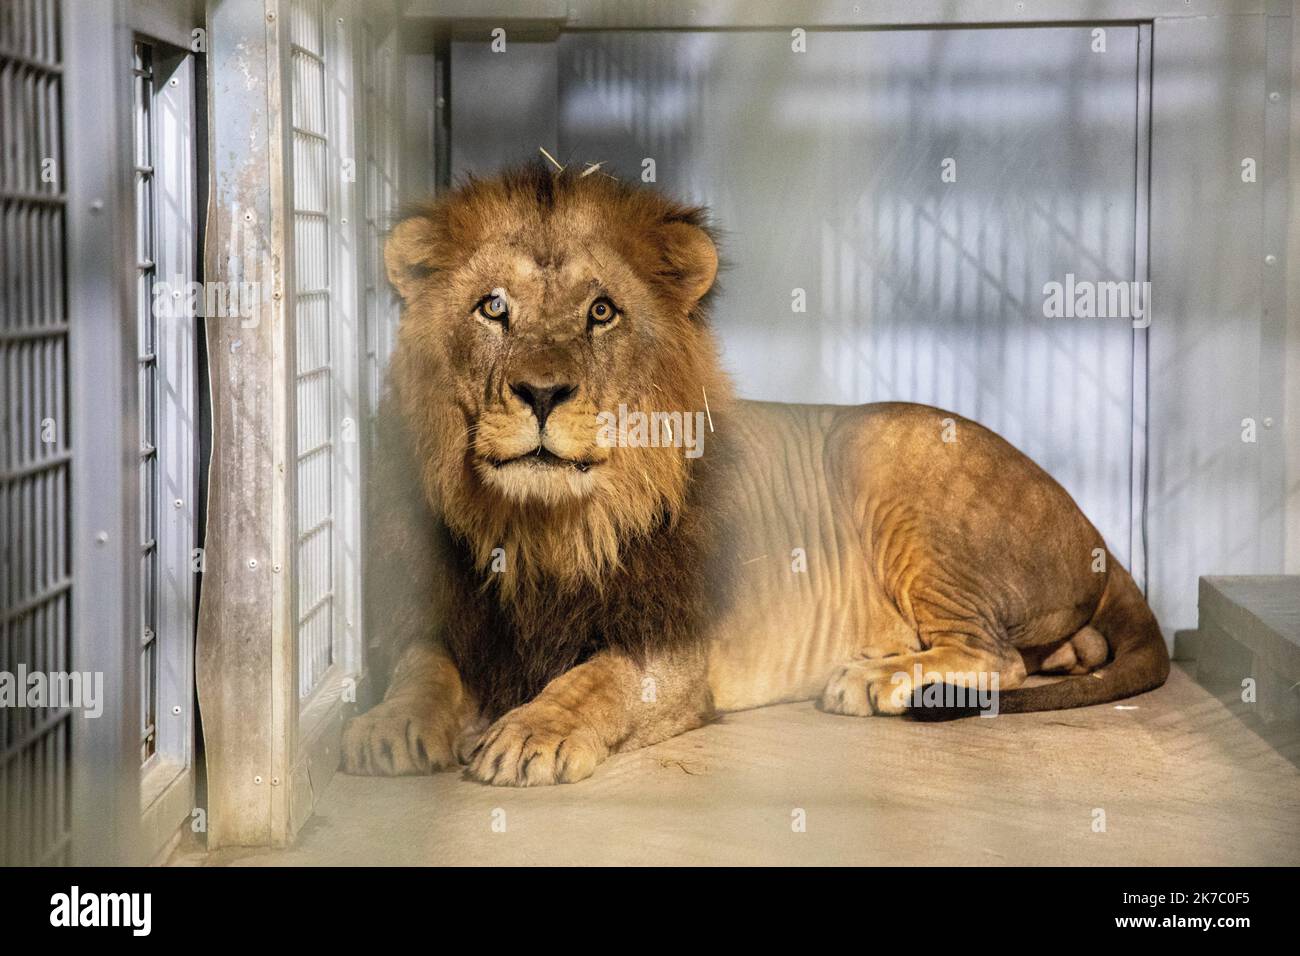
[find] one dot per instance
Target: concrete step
(1247, 653)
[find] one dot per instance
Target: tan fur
(572, 600)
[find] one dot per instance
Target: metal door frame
(167, 777)
(102, 377)
(269, 752)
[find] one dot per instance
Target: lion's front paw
(402, 736)
(860, 690)
(538, 743)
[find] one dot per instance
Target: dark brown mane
(660, 597)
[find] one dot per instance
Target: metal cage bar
(35, 453)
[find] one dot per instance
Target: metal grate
(35, 566)
(315, 347)
(382, 311)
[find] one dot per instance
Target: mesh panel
(35, 569)
(315, 348)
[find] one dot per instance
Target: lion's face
(543, 333)
(537, 307)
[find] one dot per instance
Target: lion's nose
(542, 399)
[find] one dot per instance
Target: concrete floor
(1180, 781)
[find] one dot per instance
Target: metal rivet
(275, 568)
(252, 563)
(1268, 423)
(102, 537)
(1270, 260)
(173, 82)
(177, 710)
(344, 221)
(275, 781)
(270, 15)
(248, 217)
(1274, 96)
(178, 503)
(258, 779)
(97, 205)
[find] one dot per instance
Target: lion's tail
(1139, 659)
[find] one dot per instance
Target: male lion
(550, 598)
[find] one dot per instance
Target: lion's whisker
(551, 158)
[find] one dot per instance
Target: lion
(555, 585)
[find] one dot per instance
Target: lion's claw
(535, 745)
(397, 738)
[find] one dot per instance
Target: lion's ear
(409, 254)
(692, 259)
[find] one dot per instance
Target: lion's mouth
(542, 457)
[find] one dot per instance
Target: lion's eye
(493, 308)
(602, 312)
